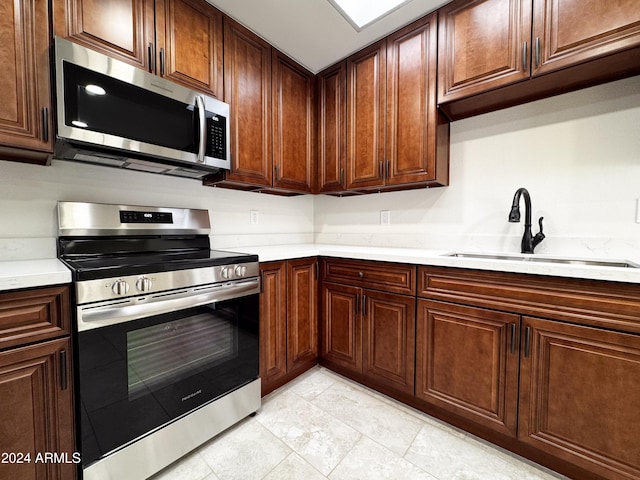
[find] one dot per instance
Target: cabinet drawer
(390, 277)
(28, 316)
(596, 303)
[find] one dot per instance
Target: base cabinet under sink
(467, 362)
(539, 365)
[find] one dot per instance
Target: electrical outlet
(638, 210)
(385, 217)
(255, 217)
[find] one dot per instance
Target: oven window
(170, 352)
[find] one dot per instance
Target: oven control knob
(226, 272)
(143, 284)
(241, 271)
(120, 287)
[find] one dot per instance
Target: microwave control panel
(217, 133)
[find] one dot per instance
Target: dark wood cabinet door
(293, 125)
(580, 396)
(189, 44)
(332, 103)
(123, 29)
(411, 103)
(482, 44)
(302, 313)
(388, 339)
(567, 32)
(273, 323)
(366, 105)
(25, 101)
(341, 326)
(247, 88)
(36, 410)
(467, 362)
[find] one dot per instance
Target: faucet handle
(540, 235)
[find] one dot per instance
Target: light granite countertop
(440, 258)
(17, 274)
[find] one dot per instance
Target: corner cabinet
(379, 128)
(180, 40)
(498, 53)
(272, 117)
(289, 320)
(36, 385)
(26, 128)
(368, 322)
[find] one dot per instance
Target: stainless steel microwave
(112, 113)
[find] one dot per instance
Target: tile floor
(323, 426)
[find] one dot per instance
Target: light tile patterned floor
(323, 426)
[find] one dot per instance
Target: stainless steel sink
(561, 260)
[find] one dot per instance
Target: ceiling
(312, 32)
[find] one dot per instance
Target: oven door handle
(113, 313)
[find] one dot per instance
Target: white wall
(578, 155)
(28, 196)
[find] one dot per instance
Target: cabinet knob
(361, 274)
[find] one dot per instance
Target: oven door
(137, 375)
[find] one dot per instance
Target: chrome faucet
(529, 242)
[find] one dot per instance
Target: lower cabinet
(562, 390)
(467, 362)
(36, 385)
(580, 396)
(548, 368)
(367, 333)
(36, 412)
(288, 320)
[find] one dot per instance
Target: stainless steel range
(166, 343)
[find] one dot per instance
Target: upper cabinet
(293, 104)
(483, 44)
(25, 102)
(567, 32)
(247, 89)
(366, 102)
(177, 39)
(417, 135)
(487, 48)
(390, 135)
(272, 117)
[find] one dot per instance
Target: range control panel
(130, 285)
(128, 216)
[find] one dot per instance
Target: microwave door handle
(202, 122)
